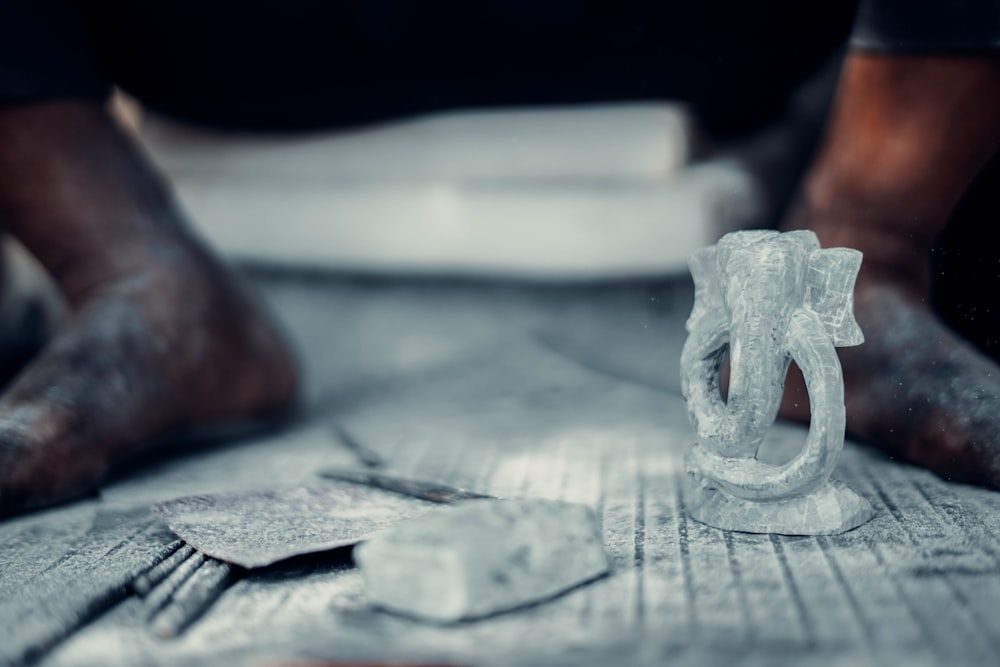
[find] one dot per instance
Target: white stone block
(482, 557)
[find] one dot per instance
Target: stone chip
(482, 557)
(257, 528)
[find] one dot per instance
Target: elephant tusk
(810, 346)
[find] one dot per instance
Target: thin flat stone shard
(258, 528)
(768, 298)
(434, 492)
(482, 557)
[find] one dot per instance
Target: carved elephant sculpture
(767, 298)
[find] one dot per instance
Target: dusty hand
(161, 336)
(907, 136)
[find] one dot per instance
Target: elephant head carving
(767, 298)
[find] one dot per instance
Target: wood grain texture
(449, 382)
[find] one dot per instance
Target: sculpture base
(831, 509)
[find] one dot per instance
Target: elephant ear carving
(830, 293)
(708, 309)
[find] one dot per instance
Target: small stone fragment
(482, 557)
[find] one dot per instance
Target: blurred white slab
(551, 193)
(638, 141)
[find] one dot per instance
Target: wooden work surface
(543, 391)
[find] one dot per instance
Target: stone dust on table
(448, 382)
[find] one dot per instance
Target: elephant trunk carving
(766, 298)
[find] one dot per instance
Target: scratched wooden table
(545, 391)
